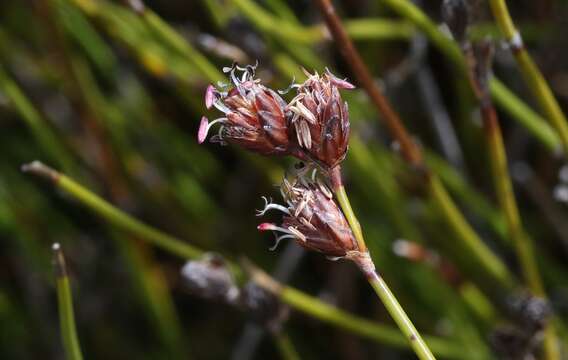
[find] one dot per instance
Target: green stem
(501, 95)
(506, 198)
(112, 214)
(178, 43)
(493, 268)
(317, 309)
(399, 316)
(39, 128)
(523, 244)
(359, 29)
(532, 75)
(65, 304)
(367, 266)
(354, 324)
(343, 200)
(285, 346)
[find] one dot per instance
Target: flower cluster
(312, 218)
(313, 126)
(253, 115)
(320, 119)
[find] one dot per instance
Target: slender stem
(530, 71)
(477, 74)
(493, 268)
(178, 43)
(469, 240)
(354, 324)
(523, 243)
(343, 200)
(287, 30)
(285, 346)
(399, 316)
(39, 128)
(365, 263)
(506, 198)
(65, 303)
(500, 93)
(376, 332)
(112, 214)
(409, 149)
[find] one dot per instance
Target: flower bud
(254, 115)
(320, 119)
(313, 219)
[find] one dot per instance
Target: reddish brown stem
(335, 178)
(410, 151)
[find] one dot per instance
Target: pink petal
(265, 226)
(203, 129)
(209, 96)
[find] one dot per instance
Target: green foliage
(112, 98)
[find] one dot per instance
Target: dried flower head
(254, 115)
(312, 218)
(320, 119)
(209, 278)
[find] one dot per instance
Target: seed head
(320, 119)
(312, 218)
(253, 114)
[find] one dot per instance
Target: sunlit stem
(365, 263)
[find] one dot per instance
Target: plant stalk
(285, 346)
(502, 96)
(532, 75)
(478, 75)
(366, 265)
(412, 154)
(65, 304)
(379, 333)
(523, 243)
(397, 312)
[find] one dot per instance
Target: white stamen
(280, 238)
(272, 227)
(268, 205)
(221, 107)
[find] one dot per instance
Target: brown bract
(320, 119)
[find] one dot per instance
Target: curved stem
(379, 333)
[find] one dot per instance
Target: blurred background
(111, 95)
